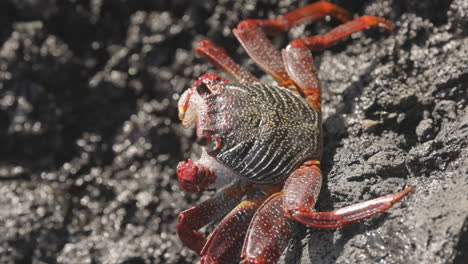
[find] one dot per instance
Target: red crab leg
(191, 220)
(300, 66)
(271, 219)
(225, 242)
(301, 191)
(261, 50)
(319, 42)
(303, 15)
(250, 34)
(218, 56)
(269, 232)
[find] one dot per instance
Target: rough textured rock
(90, 136)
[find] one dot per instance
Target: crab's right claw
(194, 177)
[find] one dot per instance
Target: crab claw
(194, 177)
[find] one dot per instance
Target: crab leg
(269, 232)
(319, 42)
(191, 220)
(218, 56)
(301, 191)
(303, 15)
(226, 239)
(261, 50)
(250, 34)
(271, 228)
(300, 66)
(225, 242)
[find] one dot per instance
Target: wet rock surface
(90, 136)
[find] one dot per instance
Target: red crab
(266, 140)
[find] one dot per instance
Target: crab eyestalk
(194, 177)
(188, 113)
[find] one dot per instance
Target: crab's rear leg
(300, 64)
(319, 42)
(301, 191)
(191, 220)
(251, 34)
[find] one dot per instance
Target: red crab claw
(194, 177)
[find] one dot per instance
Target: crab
(262, 143)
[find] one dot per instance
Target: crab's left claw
(194, 177)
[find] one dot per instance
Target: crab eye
(203, 90)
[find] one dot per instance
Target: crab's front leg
(269, 232)
(191, 220)
(272, 226)
(225, 242)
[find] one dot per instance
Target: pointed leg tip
(410, 188)
(372, 20)
(398, 196)
(387, 25)
(203, 43)
(246, 24)
(206, 47)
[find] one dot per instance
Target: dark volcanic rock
(90, 136)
